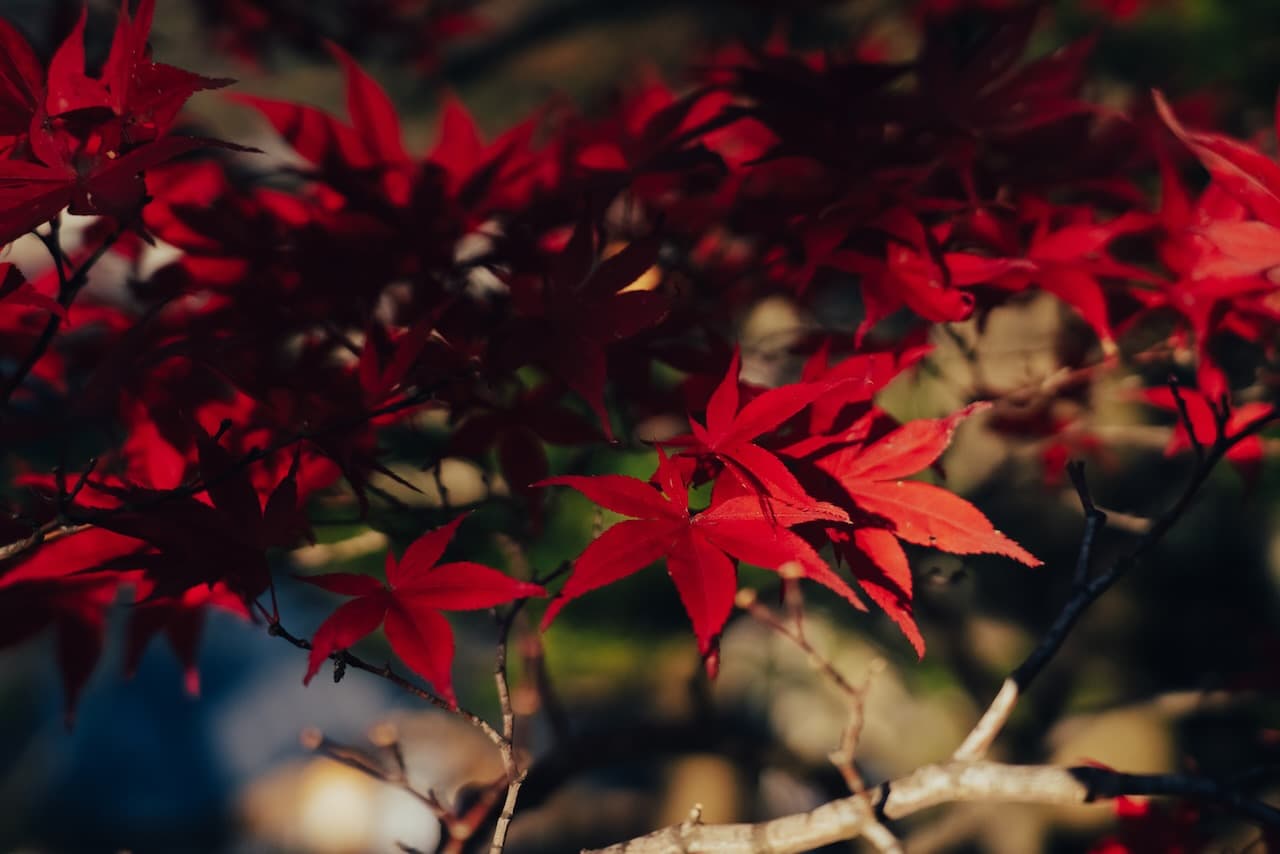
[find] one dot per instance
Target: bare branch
(984, 732)
(48, 532)
(928, 786)
(515, 777)
(843, 757)
(507, 747)
(376, 767)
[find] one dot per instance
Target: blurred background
(1176, 669)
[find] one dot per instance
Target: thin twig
(843, 757)
(515, 776)
(748, 601)
(68, 288)
(348, 659)
(1184, 415)
(1094, 519)
(48, 532)
(362, 761)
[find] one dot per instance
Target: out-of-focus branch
(843, 757)
(515, 776)
(48, 532)
(928, 786)
(384, 761)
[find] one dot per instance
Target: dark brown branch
(68, 289)
(1184, 415)
(1094, 519)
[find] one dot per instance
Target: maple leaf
(1216, 256)
(146, 96)
(91, 138)
(889, 508)
(1066, 262)
(974, 79)
(371, 145)
(910, 275)
(1243, 171)
(583, 307)
(730, 430)
(699, 548)
(180, 619)
(500, 173)
(408, 606)
(21, 82)
(855, 381)
(653, 133)
(518, 430)
(16, 290)
(63, 585)
(919, 513)
(199, 543)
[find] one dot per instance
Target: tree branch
(515, 776)
(928, 786)
(68, 288)
(843, 757)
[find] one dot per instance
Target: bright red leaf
(408, 606)
(699, 548)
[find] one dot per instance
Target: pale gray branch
(928, 786)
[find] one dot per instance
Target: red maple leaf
(909, 275)
(517, 431)
(17, 291)
(1221, 267)
(60, 585)
(91, 138)
(699, 548)
(180, 619)
(582, 308)
(889, 508)
(1245, 455)
(1066, 261)
(418, 588)
(1246, 173)
(731, 429)
(21, 83)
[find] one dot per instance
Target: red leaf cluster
(573, 280)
